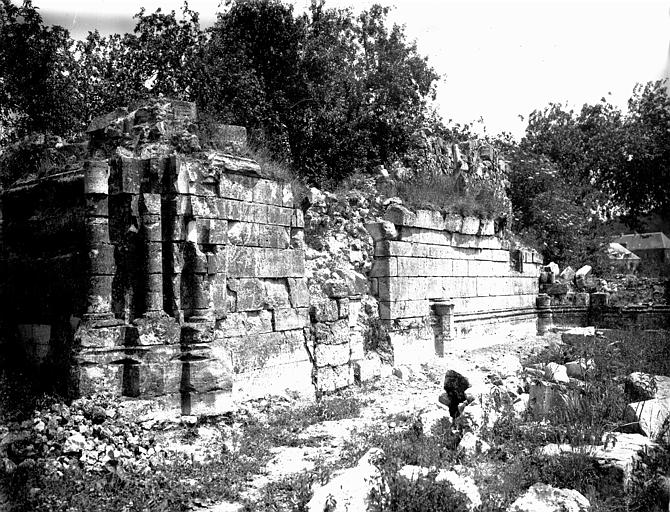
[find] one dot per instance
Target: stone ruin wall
(439, 276)
(178, 276)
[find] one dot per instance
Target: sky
(498, 60)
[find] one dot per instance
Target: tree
(641, 182)
(37, 92)
(161, 57)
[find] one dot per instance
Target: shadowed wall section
(153, 272)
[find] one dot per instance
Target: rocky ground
(292, 453)
(109, 436)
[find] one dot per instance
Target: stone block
(234, 164)
(97, 205)
(268, 192)
(424, 267)
(470, 225)
(97, 230)
(275, 263)
(250, 293)
(578, 335)
(152, 228)
(367, 369)
(334, 378)
(101, 260)
(154, 331)
(650, 417)
(125, 174)
(243, 211)
(331, 355)
(238, 187)
(258, 235)
(276, 293)
(99, 294)
(343, 308)
(486, 227)
(285, 319)
(297, 219)
(287, 195)
(96, 177)
(331, 333)
(384, 267)
(324, 311)
(280, 216)
(427, 219)
(265, 262)
(460, 268)
(177, 178)
(241, 261)
(266, 350)
(87, 336)
(91, 379)
(403, 309)
(382, 230)
(357, 345)
(247, 323)
(205, 375)
(103, 121)
(208, 207)
(424, 236)
(298, 292)
(402, 288)
(555, 289)
(453, 222)
(211, 403)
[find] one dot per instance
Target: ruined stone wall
(183, 271)
(443, 276)
(43, 254)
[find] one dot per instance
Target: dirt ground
(393, 396)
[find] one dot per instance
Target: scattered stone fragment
(432, 416)
(349, 490)
(556, 373)
(650, 417)
(545, 498)
(472, 444)
(579, 369)
(640, 386)
(568, 275)
(578, 335)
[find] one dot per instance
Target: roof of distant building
(644, 241)
(619, 252)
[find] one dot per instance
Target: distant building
(621, 258)
(652, 248)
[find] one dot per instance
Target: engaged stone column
(100, 251)
(150, 212)
(444, 313)
(544, 316)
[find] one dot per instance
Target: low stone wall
(442, 276)
(156, 273)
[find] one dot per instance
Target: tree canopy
(328, 91)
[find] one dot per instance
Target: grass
(180, 482)
(447, 194)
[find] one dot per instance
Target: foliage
(37, 92)
(444, 193)
(574, 172)
(161, 57)
(328, 91)
(335, 92)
